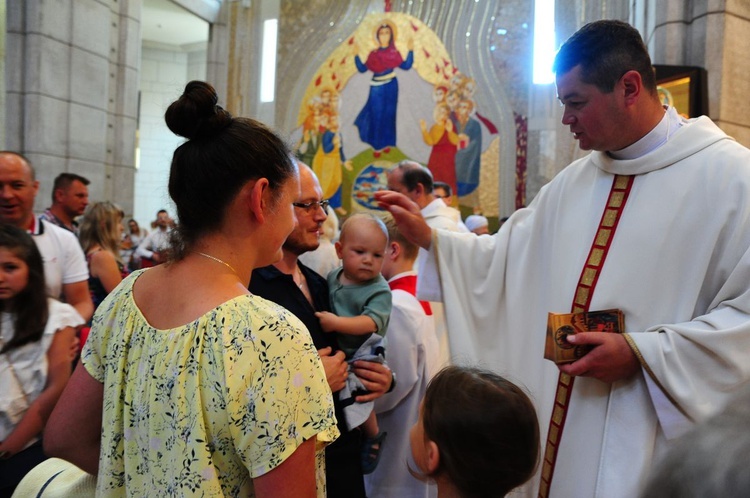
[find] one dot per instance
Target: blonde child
(361, 304)
(477, 434)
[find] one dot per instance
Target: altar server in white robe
(415, 182)
(678, 266)
(413, 356)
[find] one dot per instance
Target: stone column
(234, 56)
(235, 51)
(710, 34)
(72, 92)
(2, 74)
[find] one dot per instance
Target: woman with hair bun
(189, 384)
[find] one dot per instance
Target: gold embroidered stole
(584, 291)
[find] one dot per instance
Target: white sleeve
(61, 315)
(75, 268)
(428, 283)
(466, 272)
(402, 349)
(147, 242)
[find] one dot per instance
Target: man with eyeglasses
(442, 190)
(313, 206)
(303, 292)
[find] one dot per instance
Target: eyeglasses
(312, 206)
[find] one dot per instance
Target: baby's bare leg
(370, 426)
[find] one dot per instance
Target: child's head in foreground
(361, 247)
(477, 433)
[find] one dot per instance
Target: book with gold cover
(561, 325)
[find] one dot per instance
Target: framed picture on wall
(683, 87)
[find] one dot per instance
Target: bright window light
(544, 41)
(268, 61)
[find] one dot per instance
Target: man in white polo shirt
(65, 269)
(153, 249)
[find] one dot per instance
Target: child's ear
(337, 245)
(395, 250)
(433, 457)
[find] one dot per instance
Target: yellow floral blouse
(201, 409)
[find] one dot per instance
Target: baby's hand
(327, 320)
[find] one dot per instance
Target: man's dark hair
(64, 180)
(606, 50)
(415, 173)
(444, 186)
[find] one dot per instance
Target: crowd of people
(58, 267)
(229, 356)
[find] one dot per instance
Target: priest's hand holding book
(610, 360)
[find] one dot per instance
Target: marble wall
(733, 114)
(164, 72)
(710, 34)
(2, 72)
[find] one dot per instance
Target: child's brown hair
(485, 428)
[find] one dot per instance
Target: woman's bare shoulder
(172, 295)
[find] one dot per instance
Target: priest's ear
(419, 190)
(631, 86)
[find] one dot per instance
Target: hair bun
(196, 113)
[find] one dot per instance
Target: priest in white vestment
(678, 266)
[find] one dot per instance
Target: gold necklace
(301, 277)
(218, 261)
